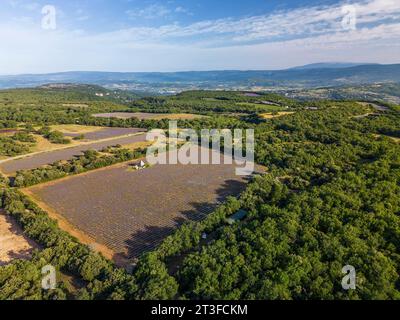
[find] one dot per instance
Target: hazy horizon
(205, 70)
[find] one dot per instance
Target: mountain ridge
(307, 77)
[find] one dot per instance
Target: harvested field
(271, 115)
(105, 133)
(74, 128)
(40, 159)
(8, 131)
(138, 145)
(14, 245)
(181, 116)
(130, 211)
(146, 116)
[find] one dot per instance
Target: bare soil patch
(14, 244)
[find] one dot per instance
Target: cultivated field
(146, 116)
(40, 159)
(75, 128)
(132, 211)
(14, 245)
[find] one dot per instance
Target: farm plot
(8, 131)
(147, 116)
(271, 115)
(105, 133)
(130, 211)
(74, 128)
(14, 245)
(40, 159)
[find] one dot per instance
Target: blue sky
(179, 35)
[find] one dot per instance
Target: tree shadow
(200, 210)
(148, 239)
(17, 255)
(22, 254)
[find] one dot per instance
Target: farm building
(140, 165)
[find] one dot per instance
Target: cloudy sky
(179, 35)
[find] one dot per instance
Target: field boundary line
(113, 166)
(28, 155)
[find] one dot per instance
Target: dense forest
(330, 198)
(215, 102)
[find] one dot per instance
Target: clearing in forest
(14, 244)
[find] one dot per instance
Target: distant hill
(56, 92)
(330, 65)
(311, 76)
(388, 92)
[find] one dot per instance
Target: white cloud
(183, 10)
(278, 40)
(303, 22)
(152, 11)
(31, 6)
(80, 15)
